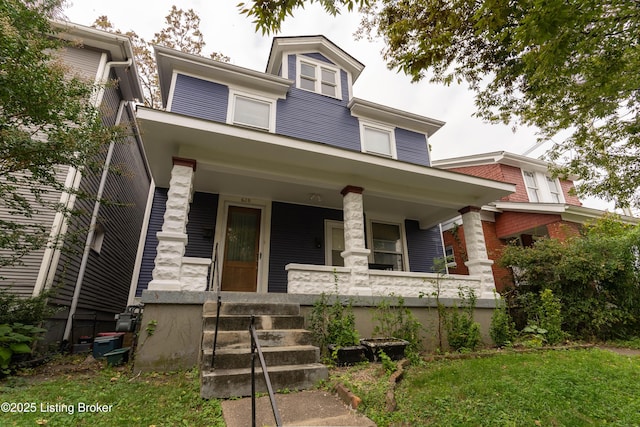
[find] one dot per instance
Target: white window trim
(329, 225)
(379, 127)
(452, 263)
(544, 192)
(234, 94)
(403, 238)
(318, 81)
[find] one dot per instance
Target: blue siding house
(293, 185)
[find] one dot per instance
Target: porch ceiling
(255, 164)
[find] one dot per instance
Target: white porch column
(355, 254)
(479, 263)
(172, 240)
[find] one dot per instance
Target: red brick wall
(459, 250)
(510, 223)
(566, 187)
(502, 173)
(501, 276)
(513, 175)
(563, 229)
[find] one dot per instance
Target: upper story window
(532, 186)
(251, 110)
(378, 139)
(319, 77)
(541, 188)
(556, 193)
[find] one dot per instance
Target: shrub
(595, 277)
(19, 325)
(398, 321)
(332, 323)
(502, 329)
(463, 333)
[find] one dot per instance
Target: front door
(241, 250)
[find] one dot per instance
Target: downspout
(96, 207)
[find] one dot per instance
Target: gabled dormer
(315, 64)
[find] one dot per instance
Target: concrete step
(237, 358)
(266, 338)
(225, 383)
(242, 322)
(249, 308)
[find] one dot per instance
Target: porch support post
(479, 263)
(356, 255)
(172, 240)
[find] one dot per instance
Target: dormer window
(251, 110)
(378, 139)
(319, 77)
(541, 188)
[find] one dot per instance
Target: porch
(271, 191)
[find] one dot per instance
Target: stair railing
(215, 275)
(255, 349)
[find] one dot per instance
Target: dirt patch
(73, 366)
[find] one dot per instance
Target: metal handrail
(255, 345)
(215, 273)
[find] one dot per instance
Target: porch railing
(215, 276)
(255, 349)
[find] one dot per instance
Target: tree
(181, 32)
(568, 68)
(46, 123)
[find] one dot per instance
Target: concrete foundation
(176, 339)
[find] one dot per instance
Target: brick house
(541, 206)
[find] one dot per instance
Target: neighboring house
(90, 271)
(298, 184)
(541, 206)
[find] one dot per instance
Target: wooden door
(241, 250)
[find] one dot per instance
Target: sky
(226, 31)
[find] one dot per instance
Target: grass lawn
(552, 388)
(171, 399)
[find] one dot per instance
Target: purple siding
(297, 236)
(314, 117)
(412, 147)
(318, 57)
(202, 217)
(423, 246)
(200, 98)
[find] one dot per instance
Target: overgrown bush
(595, 276)
(502, 329)
(397, 321)
(463, 333)
(332, 323)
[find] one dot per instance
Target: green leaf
(20, 348)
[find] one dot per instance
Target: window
(378, 140)
(319, 77)
(554, 190)
(532, 186)
(251, 111)
(541, 188)
(450, 256)
(387, 245)
(334, 243)
(98, 238)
